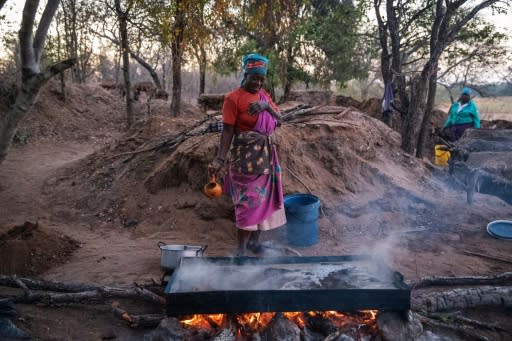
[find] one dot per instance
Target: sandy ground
(419, 225)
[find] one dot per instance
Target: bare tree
(15, 106)
(448, 18)
(122, 16)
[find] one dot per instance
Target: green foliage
(333, 28)
(309, 41)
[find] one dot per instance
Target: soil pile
(30, 249)
(88, 112)
(343, 155)
(85, 112)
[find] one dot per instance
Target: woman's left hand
(257, 107)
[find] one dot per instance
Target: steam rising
(201, 274)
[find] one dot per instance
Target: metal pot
(171, 254)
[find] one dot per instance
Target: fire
(297, 318)
(253, 322)
(205, 321)
(256, 322)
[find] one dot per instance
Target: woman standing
(253, 177)
(463, 114)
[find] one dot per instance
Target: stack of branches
(170, 143)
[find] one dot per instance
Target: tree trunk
(202, 69)
(31, 49)
(432, 88)
(412, 125)
(62, 79)
(123, 30)
(287, 78)
(25, 97)
(177, 52)
(149, 68)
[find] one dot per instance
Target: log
(35, 284)
(463, 280)
(462, 298)
(461, 331)
(150, 295)
(147, 320)
(292, 114)
(76, 292)
(456, 317)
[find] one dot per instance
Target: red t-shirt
(235, 110)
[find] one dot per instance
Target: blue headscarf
(254, 63)
(466, 91)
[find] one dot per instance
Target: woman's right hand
(257, 107)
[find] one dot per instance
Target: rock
(283, 330)
(399, 326)
(130, 222)
(169, 329)
(429, 336)
(225, 335)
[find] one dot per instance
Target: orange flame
(205, 321)
(256, 322)
(297, 318)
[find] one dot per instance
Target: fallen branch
(335, 123)
(148, 320)
(292, 114)
(488, 257)
(151, 295)
(88, 293)
(35, 284)
(172, 142)
(464, 280)
(462, 298)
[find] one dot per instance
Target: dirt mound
(152, 181)
(30, 249)
(496, 124)
(87, 112)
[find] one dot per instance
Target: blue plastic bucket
(302, 219)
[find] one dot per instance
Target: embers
(274, 326)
